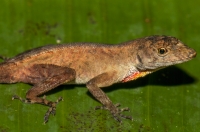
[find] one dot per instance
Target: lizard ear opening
(162, 51)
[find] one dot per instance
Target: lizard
(95, 65)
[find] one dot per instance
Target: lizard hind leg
(52, 105)
(51, 81)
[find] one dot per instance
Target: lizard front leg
(50, 81)
(103, 80)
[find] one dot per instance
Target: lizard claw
(116, 112)
(52, 110)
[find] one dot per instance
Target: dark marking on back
(139, 58)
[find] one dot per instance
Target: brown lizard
(96, 65)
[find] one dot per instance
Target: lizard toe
(51, 110)
(21, 99)
(116, 112)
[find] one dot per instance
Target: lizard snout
(192, 53)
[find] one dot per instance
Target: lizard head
(156, 52)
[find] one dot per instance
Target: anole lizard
(96, 65)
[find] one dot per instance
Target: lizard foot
(52, 109)
(116, 112)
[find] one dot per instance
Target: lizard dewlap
(96, 65)
(136, 75)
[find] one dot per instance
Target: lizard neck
(128, 53)
(133, 63)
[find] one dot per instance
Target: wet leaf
(167, 100)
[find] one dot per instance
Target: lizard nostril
(193, 54)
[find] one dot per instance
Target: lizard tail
(6, 73)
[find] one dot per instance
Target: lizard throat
(136, 75)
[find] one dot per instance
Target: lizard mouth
(176, 62)
(161, 65)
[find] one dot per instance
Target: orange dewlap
(135, 76)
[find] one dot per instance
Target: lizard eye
(162, 51)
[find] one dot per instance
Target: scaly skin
(96, 65)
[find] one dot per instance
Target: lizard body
(96, 65)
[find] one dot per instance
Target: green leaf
(167, 100)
